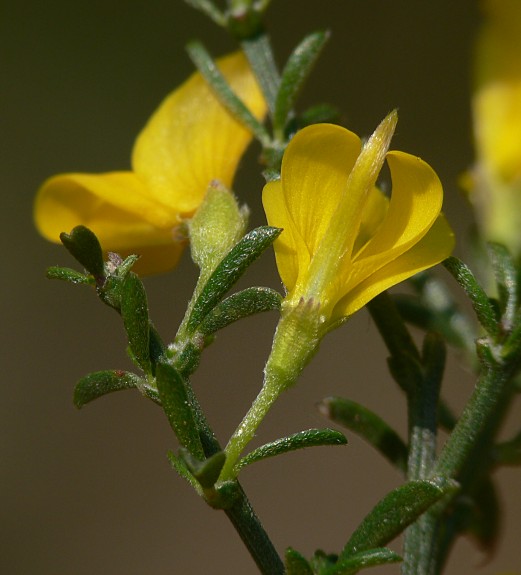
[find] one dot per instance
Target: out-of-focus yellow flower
(495, 181)
(344, 242)
(189, 141)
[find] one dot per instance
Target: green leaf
(363, 560)
(100, 383)
(369, 426)
(478, 298)
(179, 464)
(322, 561)
(68, 275)
(211, 73)
(177, 406)
(205, 471)
(506, 279)
(485, 522)
(239, 305)
(134, 311)
(397, 510)
(300, 440)
(295, 73)
(84, 246)
(231, 268)
(406, 371)
(296, 564)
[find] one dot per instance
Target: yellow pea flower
(189, 141)
(344, 242)
(495, 181)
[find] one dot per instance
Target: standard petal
(315, 169)
(101, 201)
(433, 248)
(290, 251)
(115, 207)
(191, 139)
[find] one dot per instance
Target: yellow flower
(188, 142)
(344, 242)
(495, 181)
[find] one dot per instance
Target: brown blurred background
(91, 492)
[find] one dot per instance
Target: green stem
(295, 342)
(423, 419)
(254, 537)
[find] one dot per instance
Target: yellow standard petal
(189, 141)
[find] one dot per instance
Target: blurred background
(91, 491)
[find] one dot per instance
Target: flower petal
(191, 139)
(315, 169)
(290, 250)
(115, 207)
(433, 248)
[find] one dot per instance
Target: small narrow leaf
(300, 440)
(177, 406)
(68, 275)
(478, 298)
(206, 471)
(295, 73)
(179, 464)
(231, 268)
(506, 279)
(296, 564)
(84, 246)
(100, 383)
(239, 305)
(363, 560)
(134, 311)
(211, 73)
(396, 511)
(369, 426)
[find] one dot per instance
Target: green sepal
(483, 308)
(84, 246)
(363, 560)
(100, 383)
(179, 464)
(367, 425)
(134, 311)
(231, 268)
(300, 440)
(396, 511)
(295, 73)
(507, 282)
(217, 225)
(177, 406)
(69, 275)
(206, 471)
(239, 305)
(296, 564)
